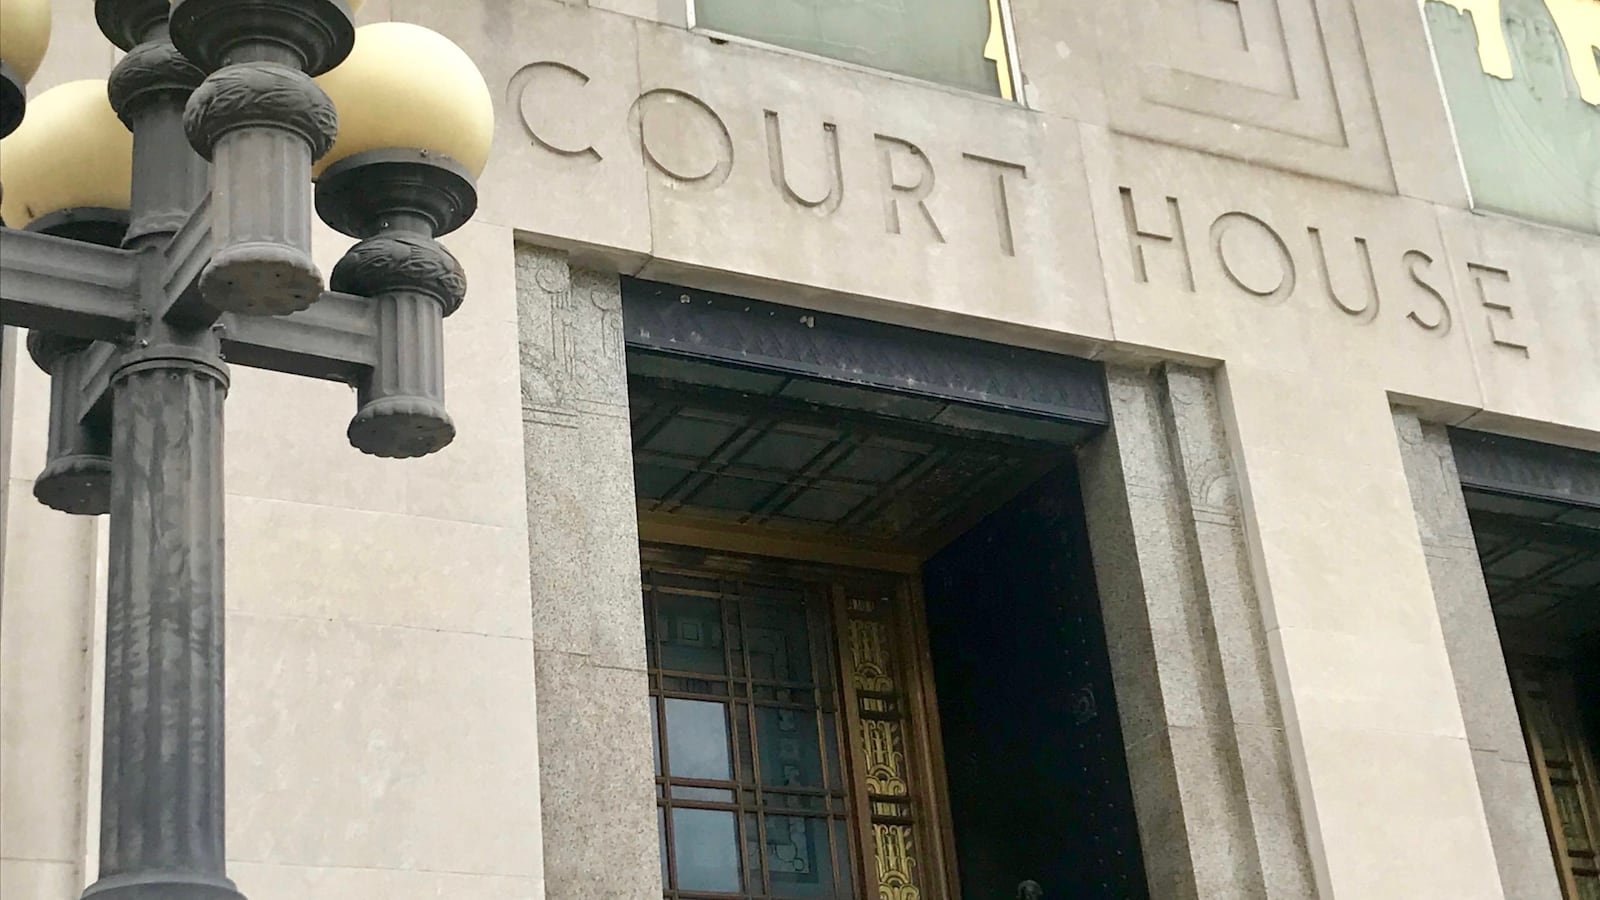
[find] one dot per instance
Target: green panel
(1525, 96)
(936, 40)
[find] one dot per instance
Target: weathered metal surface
(1503, 465)
(335, 340)
(13, 99)
(161, 831)
(401, 202)
(670, 319)
(184, 260)
(77, 474)
(68, 287)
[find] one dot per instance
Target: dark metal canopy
(1535, 511)
(755, 415)
(1521, 468)
(978, 375)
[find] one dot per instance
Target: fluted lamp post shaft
(142, 269)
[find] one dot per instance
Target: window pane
(798, 858)
(789, 753)
(697, 740)
(690, 629)
(655, 736)
(779, 642)
(831, 730)
(842, 856)
(956, 42)
(705, 795)
(752, 853)
(706, 850)
(661, 833)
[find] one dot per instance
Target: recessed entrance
(877, 667)
(1540, 550)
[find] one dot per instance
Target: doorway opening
(1537, 531)
(877, 666)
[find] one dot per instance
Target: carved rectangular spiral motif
(1276, 82)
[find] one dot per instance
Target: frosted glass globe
(70, 151)
(405, 86)
(24, 35)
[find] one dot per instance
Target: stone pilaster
(10, 338)
(593, 719)
(1207, 750)
(1499, 755)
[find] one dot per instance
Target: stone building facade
(1246, 225)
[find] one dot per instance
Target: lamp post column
(228, 81)
(162, 828)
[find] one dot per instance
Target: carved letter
(1441, 322)
(1137, 236)
(780, 176)
(1368, 310)
(539, 81)
(1002, 199)
(1255, 278)
(665, 119)
(1502, 318)
(916, 191)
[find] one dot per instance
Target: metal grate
(782, 463)
(1541, 562)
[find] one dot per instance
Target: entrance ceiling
(1542, 563)
(717, 445)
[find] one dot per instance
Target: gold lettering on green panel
(995, 50)
(1523, 82)
(1493, 54)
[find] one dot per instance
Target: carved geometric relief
(1282, 83)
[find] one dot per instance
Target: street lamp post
(144, 272)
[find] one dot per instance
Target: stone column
(8, 343)
(598, 799)
(1207, 750)
(48, 582)
(1499, 754)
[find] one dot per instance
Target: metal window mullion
(816, 469)
(760, 804)
(1008, 33)
(725, 455)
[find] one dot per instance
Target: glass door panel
(753, 802)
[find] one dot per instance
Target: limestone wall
(1278, 201)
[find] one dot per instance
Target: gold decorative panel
(1565, 772)
(893, 848)
(793, 755)
(881, 700)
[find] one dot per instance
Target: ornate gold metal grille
(881, 704)
(795, 731)
(1564, 771)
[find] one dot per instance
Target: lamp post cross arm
(76, 289)
(67, 287)
(177, 298)
(334, 340)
